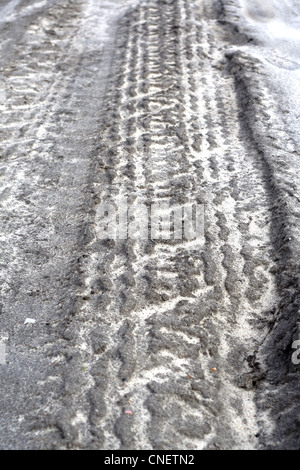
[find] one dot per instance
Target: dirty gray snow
(146, 343)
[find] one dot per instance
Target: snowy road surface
(149, 343)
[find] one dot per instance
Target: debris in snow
(29, 321)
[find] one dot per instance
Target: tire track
(275, 351)
(49, 162)
(155, 343)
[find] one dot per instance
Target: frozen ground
(148, 344)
